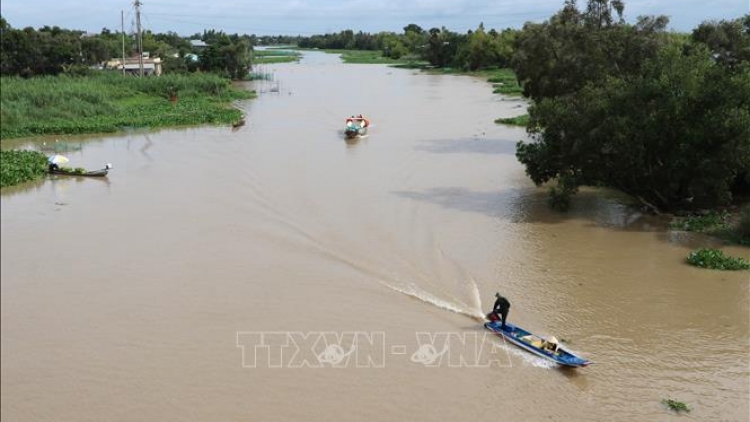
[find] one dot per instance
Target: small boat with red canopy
(356, 126)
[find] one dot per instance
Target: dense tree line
(438, 46)
(663, 117)
(29, 52)
(50, 51)
(54, 50)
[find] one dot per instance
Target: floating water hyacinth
(715, 259)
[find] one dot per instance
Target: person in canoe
(501, 308)
(551, 344)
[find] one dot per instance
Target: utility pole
(122, 28)
(140, 36)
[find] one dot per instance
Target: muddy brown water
(141, 296)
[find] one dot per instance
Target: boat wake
(527, 358)
(471, 310)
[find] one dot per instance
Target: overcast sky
(308, 17)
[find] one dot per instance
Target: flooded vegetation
(109, 102)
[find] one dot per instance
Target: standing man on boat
(502, 306)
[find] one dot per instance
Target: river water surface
(141, 296)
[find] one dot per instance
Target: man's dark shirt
(502, 305)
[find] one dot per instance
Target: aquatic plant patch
(17, 166)
(716, 260)
(676, 405)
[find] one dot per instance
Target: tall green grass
(107, 102)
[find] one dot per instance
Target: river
(143, 296)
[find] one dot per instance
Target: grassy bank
(504, 82)
(21, 166)
(108, 102)
(521, 120)
(275, 56)
(371, 57)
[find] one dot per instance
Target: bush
(716, 260)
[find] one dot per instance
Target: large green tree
(230, 55)
(729, 40)
(574, 48)
(53, 50)
(670, 126)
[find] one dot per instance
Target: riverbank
(275, 55)
(370, 57)
(108, 102)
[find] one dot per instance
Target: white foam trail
(529, 359)
(411, 290)
(476, 299)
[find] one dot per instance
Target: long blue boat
(536, 345)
